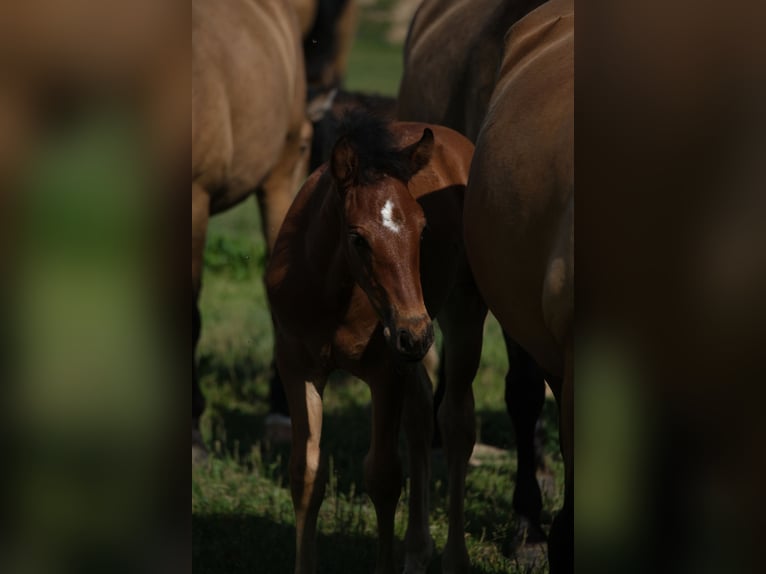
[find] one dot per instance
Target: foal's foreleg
(462, 323)
(307, 476)
(382, 467)
(418, 427)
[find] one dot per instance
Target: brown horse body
(452, 55)
(354, 286)
(519, 214)
(456, 45)
(249, 132)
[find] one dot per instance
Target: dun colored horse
(249, 132)
(458, 45)
(519, 215)
(371, 251)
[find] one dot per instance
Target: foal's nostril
(405, 340)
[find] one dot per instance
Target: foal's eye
(357, 240)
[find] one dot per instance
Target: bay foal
(370, 251)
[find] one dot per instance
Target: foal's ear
(344, 162)
(420, 152)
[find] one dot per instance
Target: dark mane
(375, 146)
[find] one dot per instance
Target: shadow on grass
(230, 544)
(345, 441)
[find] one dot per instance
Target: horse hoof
(277, 429)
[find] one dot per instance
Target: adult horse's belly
(519, 213)
(511, 259)
(246, 83)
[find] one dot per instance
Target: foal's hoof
(277, 429)
(199, 452)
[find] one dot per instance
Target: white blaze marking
(386, 213)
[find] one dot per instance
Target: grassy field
(242, 518)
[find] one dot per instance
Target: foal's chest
(355, 329)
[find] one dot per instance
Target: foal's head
(383, 224)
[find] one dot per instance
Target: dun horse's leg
(561, 540)
(524, 399)
(462, 323)
(200, 216)
(418, 427)
(382, 467)
(274, 199)
(307, 476)
(276, 194)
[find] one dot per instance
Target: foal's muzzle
(411, 338)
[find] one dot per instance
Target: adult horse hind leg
(561, 539)
(462, 324)
(276, 193)
(274, 199)
(524, 399)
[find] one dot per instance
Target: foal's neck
(324, 244)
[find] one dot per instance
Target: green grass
(374, 65)
(242, 518)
